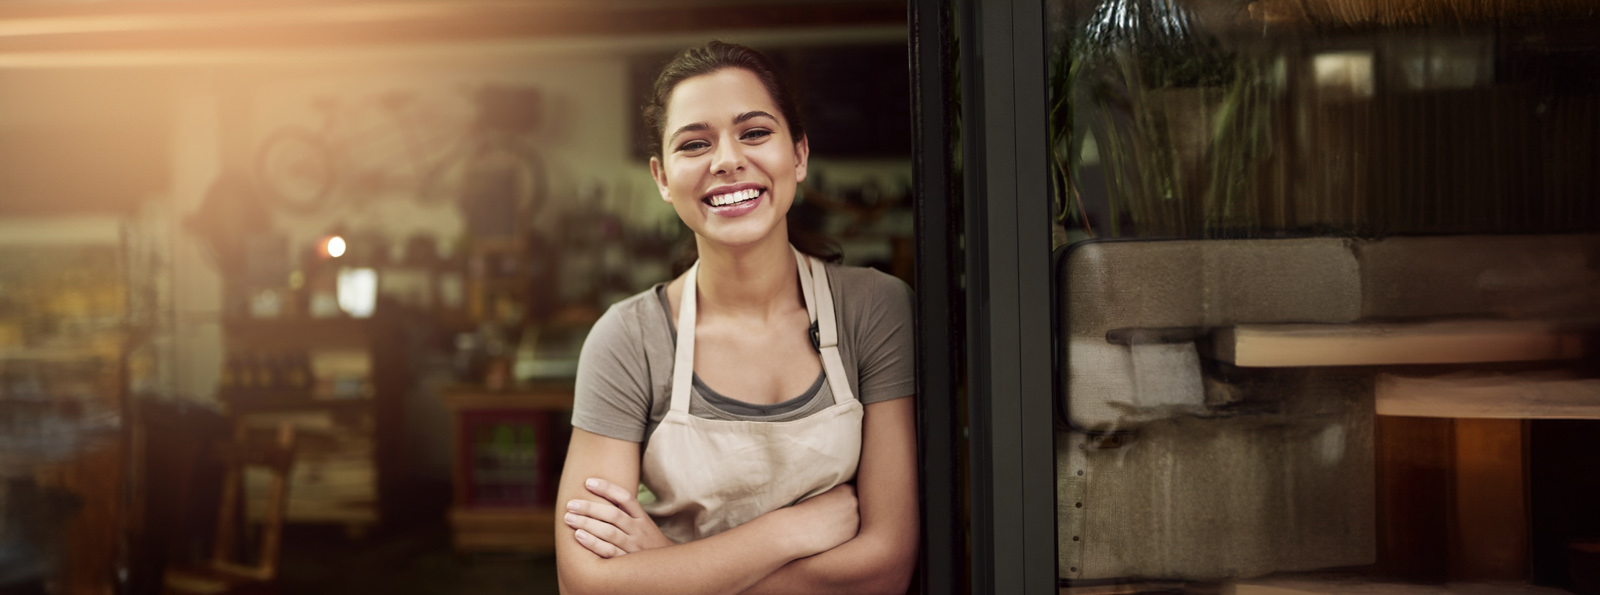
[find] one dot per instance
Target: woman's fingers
(604, 531)
(603, 511)
(625, 499)
(619, 509)
(599, 546)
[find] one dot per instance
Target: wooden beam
(1306, 345)
(302, 24)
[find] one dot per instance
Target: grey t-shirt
(624, 384)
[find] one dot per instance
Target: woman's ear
(659, 173)
(802, 153)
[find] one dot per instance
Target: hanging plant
(1180, 123)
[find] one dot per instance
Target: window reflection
(1348, 342)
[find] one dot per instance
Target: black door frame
(1003, 278)
(938, 224)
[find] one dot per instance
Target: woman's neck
(749, 281)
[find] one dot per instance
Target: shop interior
(291, 295)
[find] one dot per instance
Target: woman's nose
(729, 157)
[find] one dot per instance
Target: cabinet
(508, 447)
(341, 407)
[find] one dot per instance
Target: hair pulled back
(713, 57)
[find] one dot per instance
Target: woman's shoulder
(854, 280)
(630, 316)
(869, 293)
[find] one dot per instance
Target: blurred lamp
(333, 247)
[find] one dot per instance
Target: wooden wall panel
(1490, 516)
(1414, 459)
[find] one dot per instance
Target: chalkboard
(855, 99)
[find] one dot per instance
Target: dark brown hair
(712, 57)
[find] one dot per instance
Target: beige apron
(711, 475)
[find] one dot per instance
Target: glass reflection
(1347, 342)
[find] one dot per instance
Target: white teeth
(722, 200)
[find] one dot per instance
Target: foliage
(1181, 124)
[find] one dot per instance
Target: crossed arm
(853, 539)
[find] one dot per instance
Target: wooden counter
(508, 446)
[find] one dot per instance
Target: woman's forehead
(717, 98)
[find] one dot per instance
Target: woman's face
(729, 166)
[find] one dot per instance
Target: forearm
(882, 556)
(870, 563)
(729, 562)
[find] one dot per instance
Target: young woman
(764, 397)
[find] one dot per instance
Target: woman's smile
(734, 201)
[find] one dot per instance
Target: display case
(508, 447)
(323, 377)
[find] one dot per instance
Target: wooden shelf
(490, 529)
(1371, 585)
(278, 401)
(544, 396)
(1495, 396)
(298, 333)
(1315, 345)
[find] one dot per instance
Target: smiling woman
(796, 473)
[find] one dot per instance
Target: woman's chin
(741, 234)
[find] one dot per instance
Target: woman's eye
(757, 133)
(694, 145)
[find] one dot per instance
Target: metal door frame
(1004, 281)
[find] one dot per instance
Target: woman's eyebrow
(695, 127)
(753, 114)
(740, 119)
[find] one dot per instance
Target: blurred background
(291, 293)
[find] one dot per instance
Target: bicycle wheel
(490, 163)
(296, 169)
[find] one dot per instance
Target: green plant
(1181, 124)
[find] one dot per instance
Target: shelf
(542, 396)
(1494, 396)
(492, 529)
(278, 401)
(1354, 585)
(1315, 345)
(298, 333)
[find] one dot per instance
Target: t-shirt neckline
(730, 404)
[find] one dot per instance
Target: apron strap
(683, 361)
(808, 290)
(827, 332)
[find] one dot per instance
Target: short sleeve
(885, 353)
(612, 391)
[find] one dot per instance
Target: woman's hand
(828, 519)
(615, 527)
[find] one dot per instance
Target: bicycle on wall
(491, 171)
(374, 149)
(357, 152)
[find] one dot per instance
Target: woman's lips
(739, 209)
